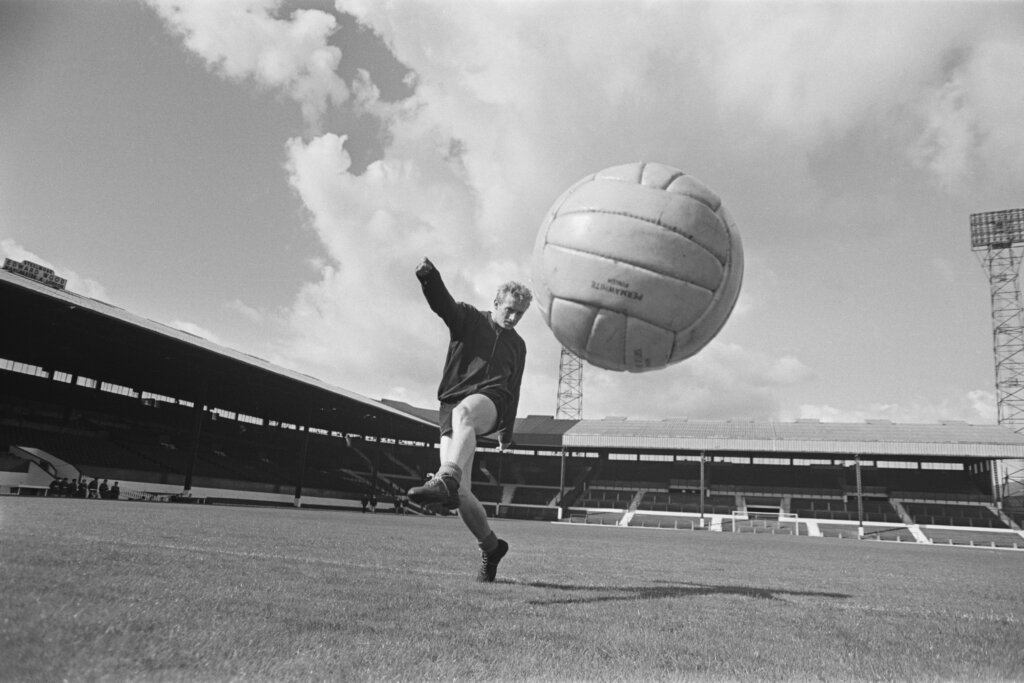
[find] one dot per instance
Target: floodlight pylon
(570, 387)
(997, 238)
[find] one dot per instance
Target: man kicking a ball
(479, 394)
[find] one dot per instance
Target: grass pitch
(122, 591)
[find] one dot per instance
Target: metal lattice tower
(997, 238)
(570, 387)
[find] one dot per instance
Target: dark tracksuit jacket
(483, 358)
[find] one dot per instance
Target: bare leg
(476, 414)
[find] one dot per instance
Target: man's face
(508, 311)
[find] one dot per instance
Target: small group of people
(80, 488)
(400, 504)
(369, 503)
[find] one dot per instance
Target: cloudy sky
(267, 174)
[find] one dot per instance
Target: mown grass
(121, 591)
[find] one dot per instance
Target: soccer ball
(637, 267)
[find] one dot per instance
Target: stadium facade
(109, 394)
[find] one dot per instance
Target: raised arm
(441, 302)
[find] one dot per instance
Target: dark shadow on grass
(666, 590)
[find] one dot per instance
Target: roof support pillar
(703, 489)
(561, 484)
(860, 498)
(197, 431)
(302, 458)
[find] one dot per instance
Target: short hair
(517, 290)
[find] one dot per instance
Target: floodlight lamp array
(997, 229)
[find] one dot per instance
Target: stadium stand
(845, 509)
(644, 473)
(114, 437)
(534, 495)
(949, 514)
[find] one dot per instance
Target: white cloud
(946, 78)
(366, 308)
(242, 39)
(515, 101)
(723, 381)
(976, 119)
(197, 330)
(983, 404)
(976, 407)
(948, 142)
(728, 364)
(247, 312)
